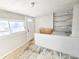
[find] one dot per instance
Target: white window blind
(4, 28)
(16, 26)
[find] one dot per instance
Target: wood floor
(32, 51)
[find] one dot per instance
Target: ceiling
(42, 7)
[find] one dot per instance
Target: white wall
(75, 24)
(10, 15)
(64, 44)
(44, 21)
(9, 43)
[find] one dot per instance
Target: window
(8, 27)
(16, 26)
(4, 28)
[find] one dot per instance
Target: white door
(30, 29)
